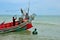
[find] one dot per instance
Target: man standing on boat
(26, 19)
(27, 16)
(20, 20)
(14, 21)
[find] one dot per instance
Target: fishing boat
(8, 27)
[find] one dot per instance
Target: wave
(47, 23)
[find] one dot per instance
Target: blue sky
(39, 7)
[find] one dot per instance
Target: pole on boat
(28, 6)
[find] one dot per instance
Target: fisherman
(35, 32)
(20, 20)
(26, 16)
(26, 19)
(14, 21)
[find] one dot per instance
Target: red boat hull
(10, 25)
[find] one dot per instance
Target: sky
(39, 7)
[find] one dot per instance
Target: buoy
(35, 32)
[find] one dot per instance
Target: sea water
(48, 28)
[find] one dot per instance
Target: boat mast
(28, 6)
